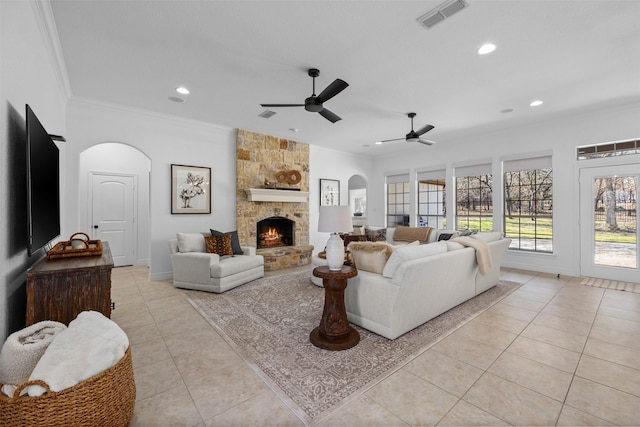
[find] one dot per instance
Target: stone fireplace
(262, 194)
(274, 232)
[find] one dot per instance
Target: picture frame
(190, 189)
(329, 192)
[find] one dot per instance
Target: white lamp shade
(335, 219)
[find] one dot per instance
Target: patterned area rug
(268, 322)
(611, 284)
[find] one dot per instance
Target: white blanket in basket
(91, 344)
(22, 350)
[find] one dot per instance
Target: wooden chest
(59, 289)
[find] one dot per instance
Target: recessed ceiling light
(294, 129)
(507, 110)
(486, 48)
(378, 142)
(182, 90)
(536, 103)
(176, 99)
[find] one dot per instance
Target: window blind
(473, 170)
(394, 179)
(542, 162)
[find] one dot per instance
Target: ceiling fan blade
(282, 105)
(426, 141)
(390, 140)
(424, 129)
(332, 117)
(332, 90)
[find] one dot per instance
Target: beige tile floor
(552, 353)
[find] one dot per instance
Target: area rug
(611, 284)
(268, 322)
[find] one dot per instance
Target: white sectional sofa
(420, 282)
(194, 268)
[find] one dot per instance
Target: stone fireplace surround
(259, 158)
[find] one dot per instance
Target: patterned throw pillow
(220, 245)
(235, 241)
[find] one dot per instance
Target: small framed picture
(329, 192)
(190, 189)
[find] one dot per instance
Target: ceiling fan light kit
(314, 103)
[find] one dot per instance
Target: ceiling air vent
(440, 13)
(266, 114)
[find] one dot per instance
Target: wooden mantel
(271, 195)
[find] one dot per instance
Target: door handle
(95, 226)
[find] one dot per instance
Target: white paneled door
(609, 222)
(113, 213)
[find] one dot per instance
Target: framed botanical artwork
(329, 192)
(190, 189)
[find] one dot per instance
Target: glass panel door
(609, 226)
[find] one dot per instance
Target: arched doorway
(358, 199)
(113, 200)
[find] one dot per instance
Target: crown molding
(47, 24)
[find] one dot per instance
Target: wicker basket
(106, 399)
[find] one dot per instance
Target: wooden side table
(334, 332)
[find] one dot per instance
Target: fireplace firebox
(275, 231)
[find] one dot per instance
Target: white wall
(29, 74)
(330, 164)
(559, 136)
(165, 140)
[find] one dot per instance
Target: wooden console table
(334, 332)
(60, 289)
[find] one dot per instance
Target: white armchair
(193, 268)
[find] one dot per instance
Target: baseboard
(161, 276)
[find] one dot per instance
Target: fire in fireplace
(275, 231)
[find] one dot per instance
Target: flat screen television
(43, 185)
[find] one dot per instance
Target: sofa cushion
(410, 252)
(453, 246)
(370, 256)
(190, 242)
(235, 241)
(219, 245)
(488, 236)
(233, 265)
(410, 234)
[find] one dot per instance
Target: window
(431, 199)
(397, 200)
(609, 149)
(528, 204)
(474, 198)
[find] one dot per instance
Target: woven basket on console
(106, 399)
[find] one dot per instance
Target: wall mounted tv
(43, 185)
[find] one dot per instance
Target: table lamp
(334, 220)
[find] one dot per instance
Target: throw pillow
(190, 242)
(219, 245)
(379, 235)
(235, 242)
(446, 236)
(488, 236)
(370, 256)
(467, 232)
(411, 252)
(409, 234)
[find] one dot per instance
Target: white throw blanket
(91, 344)
(483, 254)
(22, 350)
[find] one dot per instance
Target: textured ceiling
(235, 55)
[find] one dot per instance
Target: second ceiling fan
(414, 136)
(314, 102)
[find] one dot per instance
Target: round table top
(345, 272)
